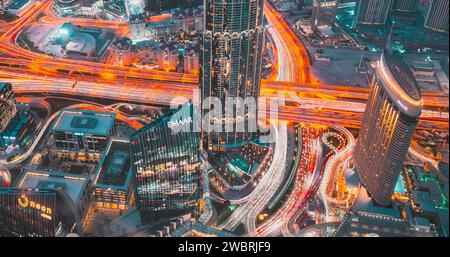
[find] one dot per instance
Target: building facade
(21, 219)
(191, 63)
(166, 165)
(8, 107)
(230, 60)
(18, 130)
(405, 5)
(392, 112)
(82, 134)
(372, 12)
(44, 205)
(437, 16)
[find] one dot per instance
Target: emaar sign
(176, 123)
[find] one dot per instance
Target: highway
(308, 175)
(344, 113)
(293, 61)
(293, 73)
(8, 40)
(36, 73)
(266, 188)
(338, 157)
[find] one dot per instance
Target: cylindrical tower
(392, 112)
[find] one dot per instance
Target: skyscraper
(231, 60)
(8, 107)
(392, 112)
(372, 12)
(437, 16)
(166, 163)
(405, 5)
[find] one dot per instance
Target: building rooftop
(114, 168)
(81, 43)
(73, 185)
(239, 162)
(402, 75)
(443, 168)
(66, 3)
(115, 8)
(400, 186)
(14, 128)
(85, 122)
(370, 226)
(423, 65)
(419, 221)
(257, 141)
(365, 203)
(424, 199)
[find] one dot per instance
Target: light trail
(268, 185)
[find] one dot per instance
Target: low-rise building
(82, 135)
(44, 204)
(112, 184)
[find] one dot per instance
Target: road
(266, 188)
(338, 156)
(293, 67)
(344, 113)
(308, 174)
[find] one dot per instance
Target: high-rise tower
(372, 12)
(231, 60)
(437, 16)
(392, 112)
(405, 5)
(166, 165)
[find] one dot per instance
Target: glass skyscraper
(230, 60)
(166, 164)
(392, 112)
